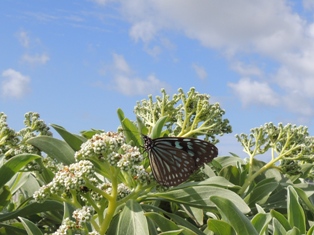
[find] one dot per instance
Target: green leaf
(278, 229)
(132, 220)
(305, 199)
(32, 209)
(163, 223)
(198, 196)
(131, 132)
(141, 126)
(260, 221)
(220, 227)
(296, 216)
(90, 133)
(294, 231)
(157, 129)
(173, 232)
(234, 216)
(30, 227)
(181, 222)
(281, 219)
(55, 148)
(75, 141)
(218, 181)
(310, 231)
(5, 197)
(12, 166)
(12, 229)
(261, 191)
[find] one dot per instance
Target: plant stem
(112, 203)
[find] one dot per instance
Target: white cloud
(271, 30)
(144, 31)
(253, 92)
(120, 64)
(14, 84)
(128, 84)
(23, 38)
(137, 86)
(246, 69)
(101, 2)
(35, 59)
(200, 71)
(308, 4)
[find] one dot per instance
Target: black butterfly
(174, 159)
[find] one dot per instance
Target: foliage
(101, 182)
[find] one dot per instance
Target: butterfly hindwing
(174, 159)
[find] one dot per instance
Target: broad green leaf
(12, 166)
(278, 229)
(261, 191)
(305, 199)
(310, 231)
(74, 141)
(294, 231)
(30, 227)
(229, 161)
(68, 210)
(157, 129)
(130, 130)
(163, 223)
(198, 196)
(194, 213)
(232, 174)
(120, 114)
(177, 219)
(132, 220)
(30, 185)
(173, 232)
(5, 197)
(281, 219)
(276, 200)
(12, 229)
(220, 227)
(141, 126)
(218, 181)
(296, 216)
(55, 148)
(32, 209)
(90, 133)
(234, 216)
(260, 221)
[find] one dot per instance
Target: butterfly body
(174, 159)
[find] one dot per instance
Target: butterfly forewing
(174, 159)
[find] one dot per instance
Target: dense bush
(101, 182)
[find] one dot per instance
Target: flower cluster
(290, 141)
(70, 178)
(111, 148)
(188, 115)
(13, 143)
(81, 216)
(123, 190)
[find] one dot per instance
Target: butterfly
(174, 159)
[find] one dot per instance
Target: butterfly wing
(174, 159)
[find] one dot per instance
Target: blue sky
(77, 62)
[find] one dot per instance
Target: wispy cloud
(23, 38)
(35, 59)
(128, 83)
(14, 84)
(200, 71)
